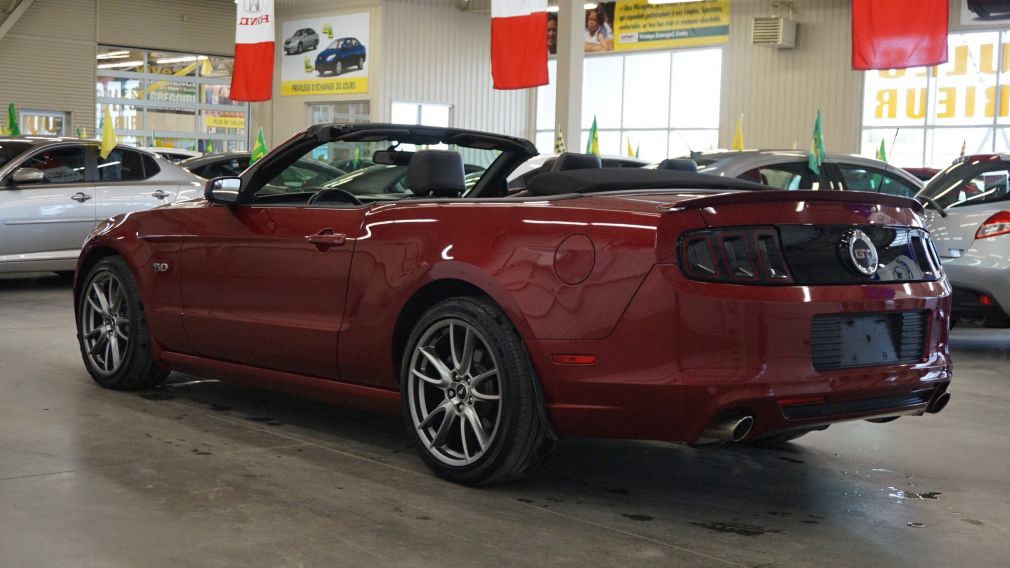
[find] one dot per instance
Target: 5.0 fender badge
(160, 267)
(860, 252)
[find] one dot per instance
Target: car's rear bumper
(687, 352)
(981, 272)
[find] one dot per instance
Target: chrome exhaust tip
(939, 403)
(733, 428)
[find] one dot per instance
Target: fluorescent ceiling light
(136, 63)
(113, 55)
(183, 59)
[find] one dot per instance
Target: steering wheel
(324, 194)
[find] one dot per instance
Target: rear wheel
(112, 330)
(469, 397)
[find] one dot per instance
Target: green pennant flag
(817, 153)
(259, 149)
(356, 160)
(593, 145)
(12, 121)
(881, 152)
(208, 148)
(637, 148)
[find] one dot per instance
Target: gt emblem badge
(160, 266)
(859, 250)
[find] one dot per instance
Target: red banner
(895, 34)
(518, 43)
(253, 76)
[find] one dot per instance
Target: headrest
(571, 161)
(679, 164)
(436, 172)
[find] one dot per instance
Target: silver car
(54, 191)
(305, 39)
(787, 169)
(968, 215)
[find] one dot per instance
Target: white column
(568, 106)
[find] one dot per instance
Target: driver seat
(438, 173)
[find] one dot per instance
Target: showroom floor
(198, 473)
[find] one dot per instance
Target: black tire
(519, 441)
(300, 48)
(361, 63)
(124, 322)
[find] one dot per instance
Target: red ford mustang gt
(622, 303)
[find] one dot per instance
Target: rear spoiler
(783, 196)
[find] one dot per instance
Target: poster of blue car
(325, 56)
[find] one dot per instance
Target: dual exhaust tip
(938, 403)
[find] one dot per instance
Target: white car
(54, 191)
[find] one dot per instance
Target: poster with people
(632, 25)
(325, 56)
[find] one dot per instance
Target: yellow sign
(334, 86)
(639, 25)
(224, 122)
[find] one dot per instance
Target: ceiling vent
(774, 31)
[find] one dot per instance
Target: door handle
(327, 237)
(160, 194)
(80, 197)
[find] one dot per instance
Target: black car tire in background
(109, 310)
(519, 440)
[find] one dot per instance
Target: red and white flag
(518, 43)
(253, 77)
(895, 34)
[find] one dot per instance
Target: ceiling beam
(14, 16)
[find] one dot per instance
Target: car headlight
(331, 58)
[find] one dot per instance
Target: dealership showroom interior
(315, 283)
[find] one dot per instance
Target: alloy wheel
(454, 392)
(105, 323)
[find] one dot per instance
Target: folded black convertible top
(624, 179)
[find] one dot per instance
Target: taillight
(747, 255)
(998, 224)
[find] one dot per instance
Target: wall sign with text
(325, 56)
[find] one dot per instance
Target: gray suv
(54, 191)
(968, 216)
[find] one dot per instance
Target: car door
(48, 219)
(264, 284)
(124, 185)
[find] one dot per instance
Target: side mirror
(223, 190)
(28, 175)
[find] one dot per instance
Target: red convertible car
(619, 303)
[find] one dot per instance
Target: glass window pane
(683, 142)
(121, 165)
(960, 88)
(943, 145)
(171, 120)
(118, 88)
(696, 83)
(905, 151)
(124, 117)
(649, 144)
(610, 142)
(601, 91)
(435, 115)
(895, 97)
(546, 98)
(172, 92)
(174, 64)
(647, 90)
(61, 165)
(404, 113)
(545, 141)
(111, 59)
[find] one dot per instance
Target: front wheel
(338, 67)
(469, 398)
(112, 330)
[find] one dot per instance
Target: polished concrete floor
(198, 473)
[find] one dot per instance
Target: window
(661, 104)
(425, 114)
(861, 178)
(123, 165)
(59, 165)
(926, 116)
(985, 187)
(338, 113)
(42, 123)
(791, 175)
(169, 100)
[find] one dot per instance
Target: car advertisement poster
(325, 56)
(634, 25)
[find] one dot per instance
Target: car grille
(840, 341)
(816, 256)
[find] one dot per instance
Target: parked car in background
(173, 154)
(788, 169)
(54, 191)
(924, 174)
(306, 172)
(986, 9)
(617, 303)
(968, 215)
(305, 39)
(520, 177)
(340, 55)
